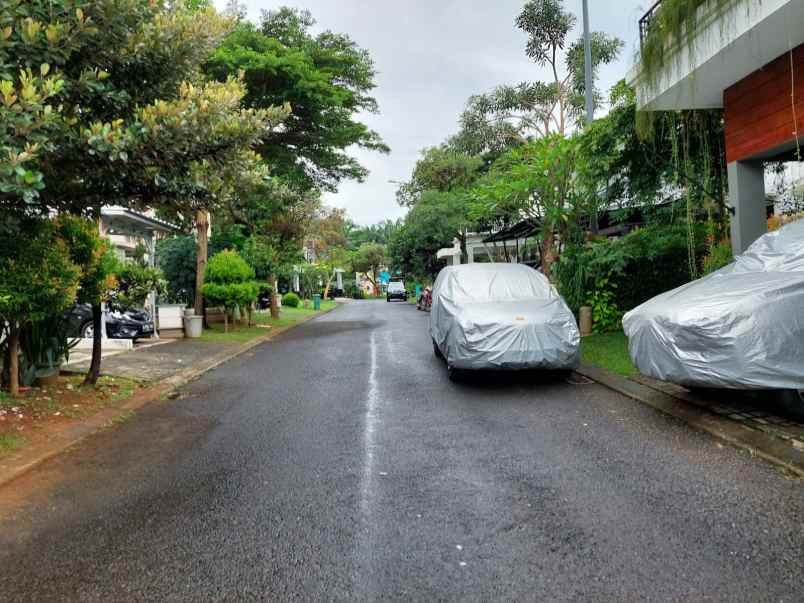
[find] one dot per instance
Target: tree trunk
(329, 284)
(548, 255)
(95, 364)
(14, 360)
(202, 249)
(274, 298)
(225, 321)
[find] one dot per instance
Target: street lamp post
(587, 61)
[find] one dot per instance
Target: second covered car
(501, 316)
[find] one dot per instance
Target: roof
(127, 221)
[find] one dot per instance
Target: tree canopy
(327, 80)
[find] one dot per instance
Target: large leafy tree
(543, 182)
(326, 78)
(432, 223)
(442, 169)
(511, 114)
(118, 110)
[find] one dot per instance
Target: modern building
(746, 57)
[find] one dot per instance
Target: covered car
(741, 327)
(501, 316)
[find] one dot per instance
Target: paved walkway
(149, 362)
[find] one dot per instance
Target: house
(746, 57)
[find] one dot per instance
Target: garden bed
(39, 411)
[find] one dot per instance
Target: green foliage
(443, 169)
(673, 28)
(44, 345)
(432, 223)
(381, 233)
(543, 182)
(368, 258)
(134, 283)
(325, 77)
(72, 65)
(229, 281)
(641, 264)
(177, 260)
(609, 351)
(719, 256)
(512, 115)
(606, 316)
(38, 278)
(291, 300)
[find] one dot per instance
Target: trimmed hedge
(291, 300)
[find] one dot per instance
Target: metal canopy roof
(124, 221)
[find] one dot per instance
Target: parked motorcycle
(425, 300)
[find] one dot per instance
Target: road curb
(757, 443)
(16, 465)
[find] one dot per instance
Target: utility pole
(589, 85)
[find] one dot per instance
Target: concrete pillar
(749, 219)
(456, 259)
(339, 279)
(470, 254)
(296, 282)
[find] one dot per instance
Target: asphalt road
(339, 463)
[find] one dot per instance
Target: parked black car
(124, 324)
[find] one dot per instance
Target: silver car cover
(502, 316)
(739, 327)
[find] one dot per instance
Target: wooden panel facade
(759, 110)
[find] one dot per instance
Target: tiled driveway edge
(758, 443)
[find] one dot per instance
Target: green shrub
(606, 316)
(720, 255)
(291, 300)
(135, 283)
(641, 264)
(230, 281)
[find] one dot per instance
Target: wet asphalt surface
(338, 462)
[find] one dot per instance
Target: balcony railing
(647, 19)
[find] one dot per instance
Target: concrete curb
(757, 443)
(16, 465)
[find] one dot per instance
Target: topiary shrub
(291, 300)
(229, 282)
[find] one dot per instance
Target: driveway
(338, 462)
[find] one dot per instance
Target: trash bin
(316, 302)
(193, 326)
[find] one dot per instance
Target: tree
(176, 257)
(441, 168)
(382, 232)
(542, 182)
(230, 282)
(326, 78)
(134, 126)
(36, 279)
(369, 258)
(274, 217)
(434, 222)
(510, 115)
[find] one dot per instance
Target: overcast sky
(431, 55)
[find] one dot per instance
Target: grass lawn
(40, 410)
(608, 351)
(287, 316)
